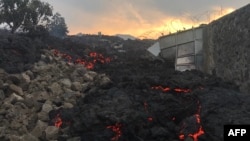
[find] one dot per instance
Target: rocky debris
(131, 98)
(27, 98)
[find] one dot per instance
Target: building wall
(168, 47)
(227, 49)
(185, 48)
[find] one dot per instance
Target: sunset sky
(140, 18)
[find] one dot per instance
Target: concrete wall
(185, 48)
(227, 51)
(226, 47)
(168, 47)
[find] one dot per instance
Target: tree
(13, 12)
(38, 13)
(25, 14)
(57, 27)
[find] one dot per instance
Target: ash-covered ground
(83, 88)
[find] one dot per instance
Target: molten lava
(150, 119)
(117, 130)
(89, 63)
(167, 89)
(200, 130)
(145, 104)
(58, 121)
(179, 90)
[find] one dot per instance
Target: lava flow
(199, 131)
(145, 104)
(94, 58)
(117, 130)
(58, 121)
(167, 89)
(60, 118)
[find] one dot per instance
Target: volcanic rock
(28, 137)
(51, 132)
(16, 89)
(131, 98)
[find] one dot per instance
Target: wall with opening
(185, 48)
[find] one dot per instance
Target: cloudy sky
(140, 18)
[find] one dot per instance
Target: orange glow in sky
(140, 18)
(141, 28)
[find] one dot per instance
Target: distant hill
(126, 36)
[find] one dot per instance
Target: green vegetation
(30, 16)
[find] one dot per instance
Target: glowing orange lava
(117, 130)
(89, 64)
(167, 89)
(200, 130)
(197, 115)
(58, 121)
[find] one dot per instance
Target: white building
(185, 48)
